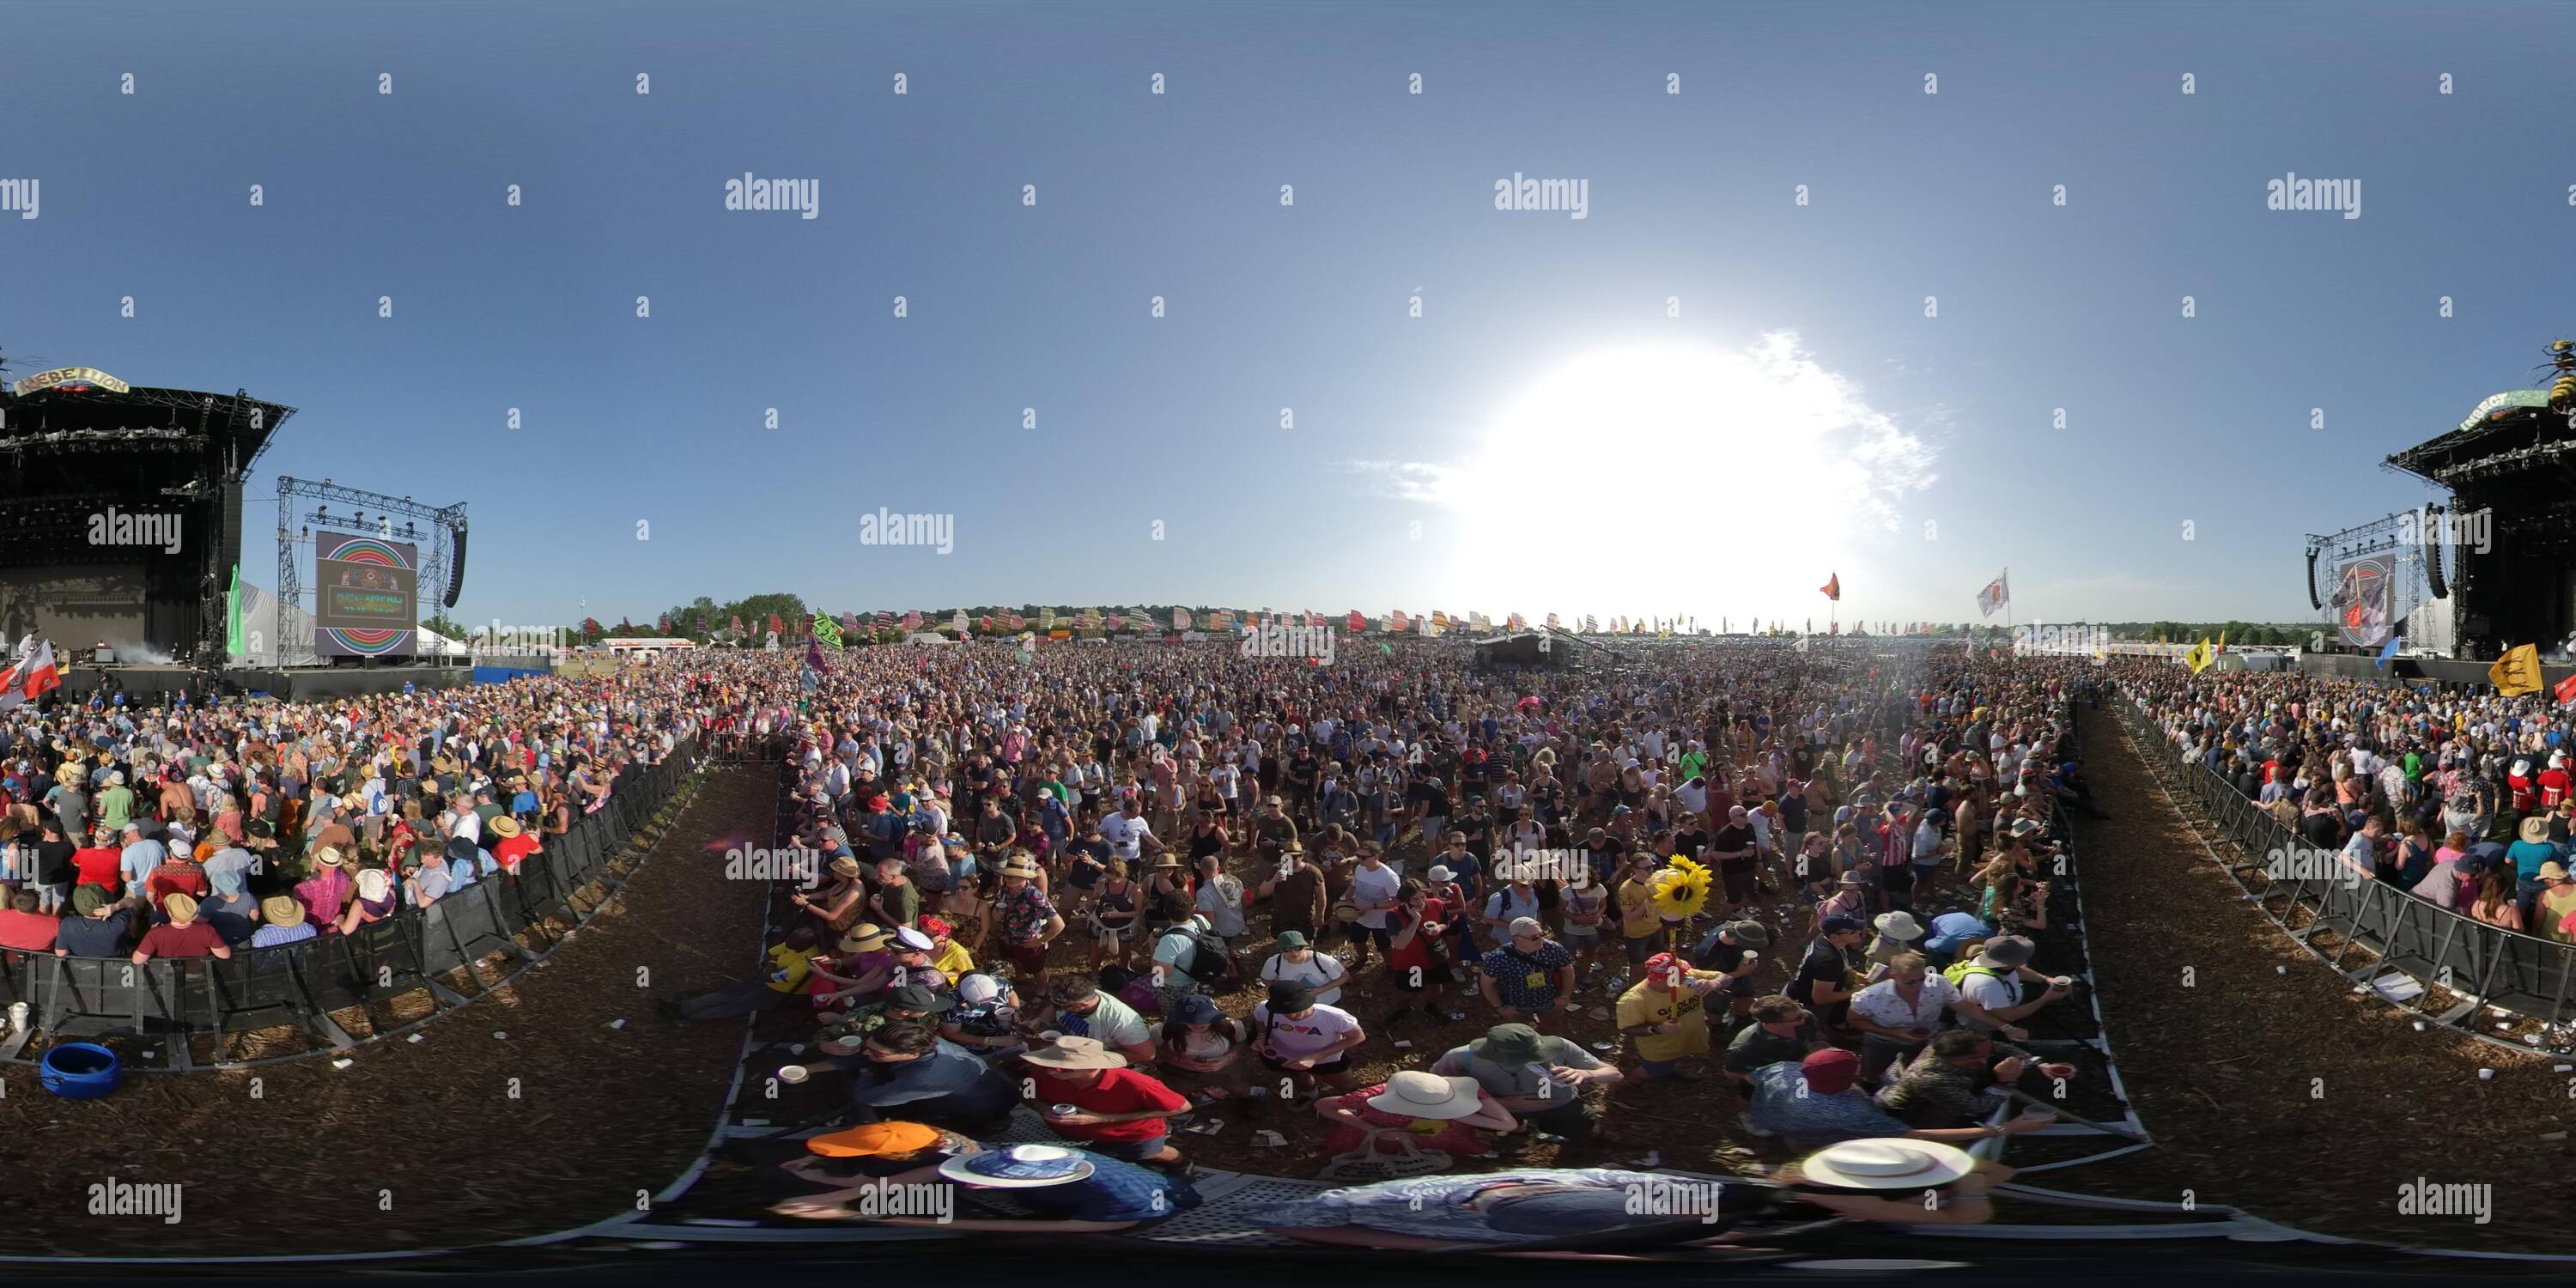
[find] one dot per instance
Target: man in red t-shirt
(25, 929)
(183, 935)
(1116, 1110)
(101, 865)
(514, 844)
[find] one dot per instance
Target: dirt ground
(2286, 1094)
(462, 1137)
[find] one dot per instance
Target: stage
(149, 683)
(2407, 670)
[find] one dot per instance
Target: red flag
(1358, 622)
(1833, 587)
(2566, 690)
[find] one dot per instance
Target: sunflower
(1681, 888)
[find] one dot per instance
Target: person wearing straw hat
(1442, 1114)
(284, 920)
(511, 845)
(183, 935)
(1889, 1179)
(1089, 1095)
(326, 893)
(1028, 922)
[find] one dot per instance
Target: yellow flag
(2517, 672)
(2199, 658)
(2222, 641)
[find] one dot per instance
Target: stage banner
(364, 601)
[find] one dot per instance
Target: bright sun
(1678, 478)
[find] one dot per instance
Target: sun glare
(1681, 478)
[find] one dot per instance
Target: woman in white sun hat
(1919, 1182)
(1442, 1114)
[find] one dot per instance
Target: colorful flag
(1995, 595)
(33, 677)
(2200, 656)
(1399, 623)
(2389, 650)
(737, 624)
(1833, 587)
(826, 631)
(1181, 619)
(2514, 674)
(1357, 621)
(814, 656)
(2566, 690)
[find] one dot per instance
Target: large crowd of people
(200, 829)
(1403, 913)
(1163, 884)
(2458, 797)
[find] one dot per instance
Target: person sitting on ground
(1441, 1114)
(1089, 1095)
(1539, 1079)
(1204, 1050)
(1998, 989)
(1814, 1102)
(1781, 1030)
(1078, 1008)
(1734, 950)
(1945, 1085)
(986, 1020)
(904, 1070)
(1308, 1042)
(835, 1160)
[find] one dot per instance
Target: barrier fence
(2480, 964)
(414, 951)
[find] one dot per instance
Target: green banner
(232, 618)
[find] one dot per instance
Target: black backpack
(1212, 962)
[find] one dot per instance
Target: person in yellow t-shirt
(1638, 920)
(1666, 1015)
(946, 954)
(790, 961)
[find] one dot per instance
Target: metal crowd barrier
(2479, 963)
(417, 950)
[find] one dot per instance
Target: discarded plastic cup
(791, 1074)
(2486, 1075)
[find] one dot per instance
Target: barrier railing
(2480, 964)
(432, 950)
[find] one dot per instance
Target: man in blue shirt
(907, 1071)
(1951, 929)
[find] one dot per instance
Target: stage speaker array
(456, 568)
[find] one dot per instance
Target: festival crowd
(1380, 906)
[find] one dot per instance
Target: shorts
(1739, 885)
(1640, 949)
(1130, 1151)
(1029, 960)
(1383, 937)
(1549, 1011)
(1585, 935)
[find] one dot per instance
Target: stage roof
(100, 418)
(2508, 433)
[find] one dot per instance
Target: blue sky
(2204, 420)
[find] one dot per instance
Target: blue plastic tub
(81, 1071)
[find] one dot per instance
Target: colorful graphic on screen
(363, 596)
(2361, 602)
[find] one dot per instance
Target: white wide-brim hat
(1889, 1164)
(1414, 1093)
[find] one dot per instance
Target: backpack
(1211, 961)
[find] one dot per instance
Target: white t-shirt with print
(1295, 1039)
